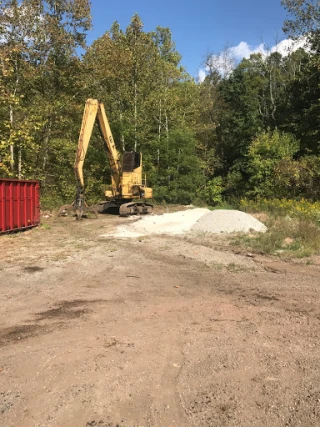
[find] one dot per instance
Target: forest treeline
(249, 132)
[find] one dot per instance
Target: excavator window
(130, 161)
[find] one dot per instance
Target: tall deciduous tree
(17, 20)
(39, 80)
(305, 19)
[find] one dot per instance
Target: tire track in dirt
(167, 407)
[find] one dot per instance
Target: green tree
(305, 20)
(180, 177)
(305, 91)
(39, 85)
(301, 108)
(16, 73)
(264, 153)
(150, 99)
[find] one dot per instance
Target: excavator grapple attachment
(78, 212)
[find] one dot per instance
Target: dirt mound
(228, 221)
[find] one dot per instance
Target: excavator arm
(94, 110)
(112, 152)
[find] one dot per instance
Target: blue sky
(198, 27)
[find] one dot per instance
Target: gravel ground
(228, 221)
(160, 331)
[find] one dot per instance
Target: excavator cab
(131, 160)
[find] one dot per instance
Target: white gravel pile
(198, 220)
(168, 223)
(228, 221)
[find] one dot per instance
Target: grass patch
(293, 227)
(298, 237)
(236, 268)
(302, 209)
(45, 226)
(222, 205)
(216, 266)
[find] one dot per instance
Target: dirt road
(156, 331)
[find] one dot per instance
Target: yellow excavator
(128, 191)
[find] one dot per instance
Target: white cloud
(243, 50)
(285, 47)
(201, 75)
(226, 61)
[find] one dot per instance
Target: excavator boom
(95, 110)
(126, 183)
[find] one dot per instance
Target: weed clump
(293, 227)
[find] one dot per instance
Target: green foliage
(233, 135)
(293, 227)
(285, 237)
(234, 183)
(212, 193)
(294, 178)
(144, 90)
(264, 153)
(38, 87)
(305, 18)
(179, 172)
(301, 209)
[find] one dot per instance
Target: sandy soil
(154, 331)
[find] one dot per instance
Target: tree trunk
(122, 136)
(46, 147)
(135, 116)
(272, 100)
(159, 132)
(19, 162)
(11, 145)
(160, 124)
(166, 113)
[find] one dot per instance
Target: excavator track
(135, 208)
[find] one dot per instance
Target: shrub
(264, 153)
(212, 193)
(302, 209)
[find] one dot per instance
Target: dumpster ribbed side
(19, 204)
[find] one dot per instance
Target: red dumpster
(19, 204)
